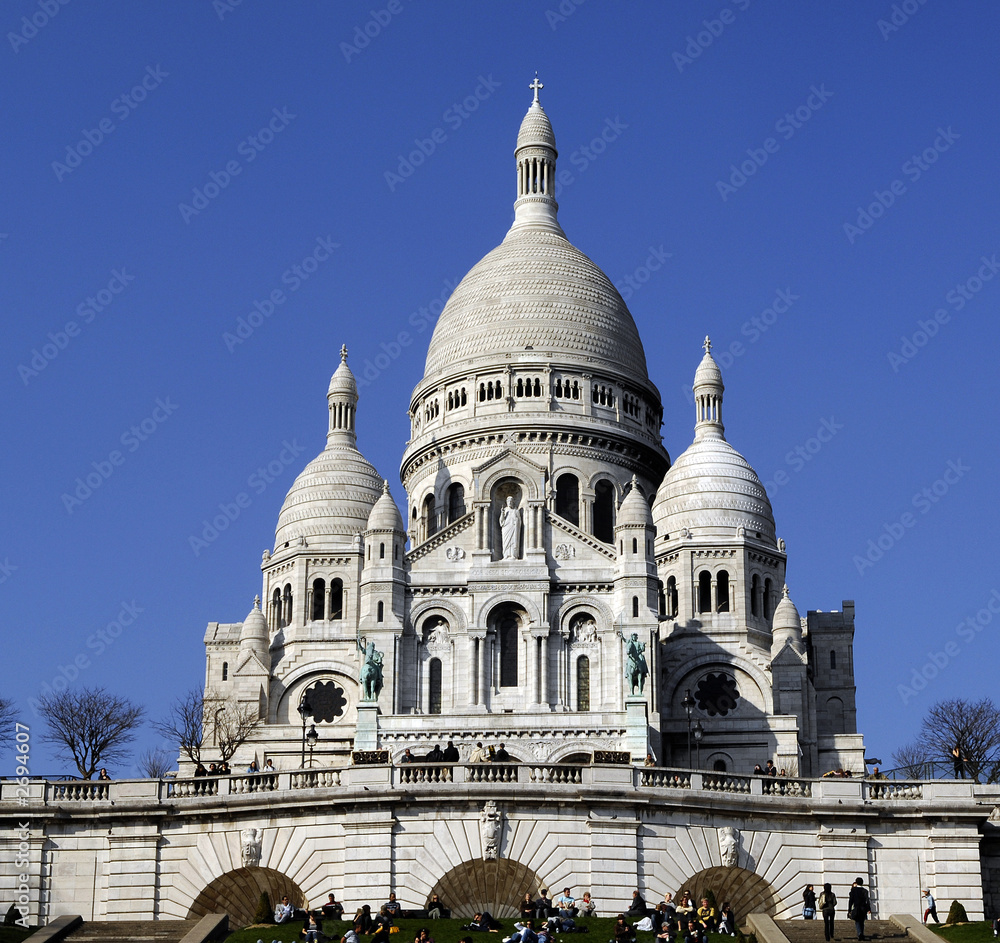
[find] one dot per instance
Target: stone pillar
(957, 870)
(369, 852)
(636, 728)
(544, 699)
(366, 733)
(132, 873)
(614, 857)
(845, 857)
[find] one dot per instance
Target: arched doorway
(496, 886)
(747, 893)
(237, 893)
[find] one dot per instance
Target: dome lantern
(342, 397)
(708, 389)
(535, 156)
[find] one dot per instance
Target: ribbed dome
(343, 380)
(536, 129)
(635, 509)
(708, 372)
(536, 290)
(712, 490)
(253, 634)
(333, 496)
(786, 616)
(385, 515)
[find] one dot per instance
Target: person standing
(859, 906)
(931, 906)
(809, 902)
(828, 907)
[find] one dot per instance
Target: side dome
(385, 515)
(711, 490)
(634, 510)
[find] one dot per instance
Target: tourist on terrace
(407, 757)
(650, 760)
(200, 770)
(103, 776)
(451, 753)
(224, 769)
(252, 768)
(828, 907)
(269, 766)
(479, 755)
(436, 755)
(502, 756)
(757, 771)
(769, 769)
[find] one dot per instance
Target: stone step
(811, 931)
(132, 931)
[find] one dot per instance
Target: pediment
(509, 459)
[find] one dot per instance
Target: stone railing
(433, 776)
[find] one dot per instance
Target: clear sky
(168, 165)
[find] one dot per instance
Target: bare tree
(232, 724)
(155, 763)
(965, 734)
(8, 714)
(91, 727)
(185, 724)
(912, 761)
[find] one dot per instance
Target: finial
(635, 482)
(385, 486)
(707, 345)
(784, 591)
(256, 601)
(343, 353)
(536, 85)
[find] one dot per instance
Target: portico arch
(746, 891)
(237, 893)
(496, 886)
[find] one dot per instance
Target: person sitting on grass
(586, 905)
(623, 931)
(363, 920)
(381, 926)
(333, 909)
(707, 916)
(392, 906)
(283, 912)
(695, 933)
(727, 920)
(312, 928)
(423, 936)
(435, 909)
(483, 921)
(523, 933)
(638, 906)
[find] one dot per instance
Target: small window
(225, 671)
(336, 599)
(381, 551)
(767, 599)
(318, 600)
(635, 607)
(672, 597)
(583, 683)
(704, 591)
(604, 511)
(434, 686)
(833, 658)
(722, 591)
(635, 545)
(381, 612)
(755, 596)
(719, 766)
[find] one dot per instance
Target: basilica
(548, 578)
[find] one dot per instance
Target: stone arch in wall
(496, 886)
(237, 893)
(747, 893)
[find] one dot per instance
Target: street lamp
(698, 733)
(311, 739)
(305, 710)
(688, 704)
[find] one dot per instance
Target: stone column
(614, 856)
(369, 838)
(544, 699)
(132, 872)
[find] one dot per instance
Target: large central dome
(536, 292)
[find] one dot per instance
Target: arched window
(276, 622)
(225, 671)
(704, 591)
(719, 766)
(568, 498)
(635, 607)
(661, 599)
(381, 612)
(635, 545)
(509, 642)
(722, 591)
(583, 683)
(381, 551)
(755, 595)
(336, 599)
(287, 604)
(835, 714)
(604, 511)
(318, 600)
(767, 599)
(430, 524)
(672, 597)
(833, 659)
(456, 502)
(434, 686)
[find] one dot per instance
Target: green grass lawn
(978, 932)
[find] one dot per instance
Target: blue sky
(175, 163)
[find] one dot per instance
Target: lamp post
(311, 739)
(688, 704)
(305, 710)
(698, 733)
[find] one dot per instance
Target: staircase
(133, 931)
(811, 931)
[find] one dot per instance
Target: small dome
(536, 129)
(634, 510)
(332, 497)
(786, 616)
(708, 372)
(254, 628)
(711, 490)
(385, 515)
(342, 380)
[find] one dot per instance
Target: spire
(535, 157)
(342, 398)
(708, 389)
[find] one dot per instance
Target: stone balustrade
(435, 775)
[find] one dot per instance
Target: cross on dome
(536, 85)
(343, 353)
(707, 345)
